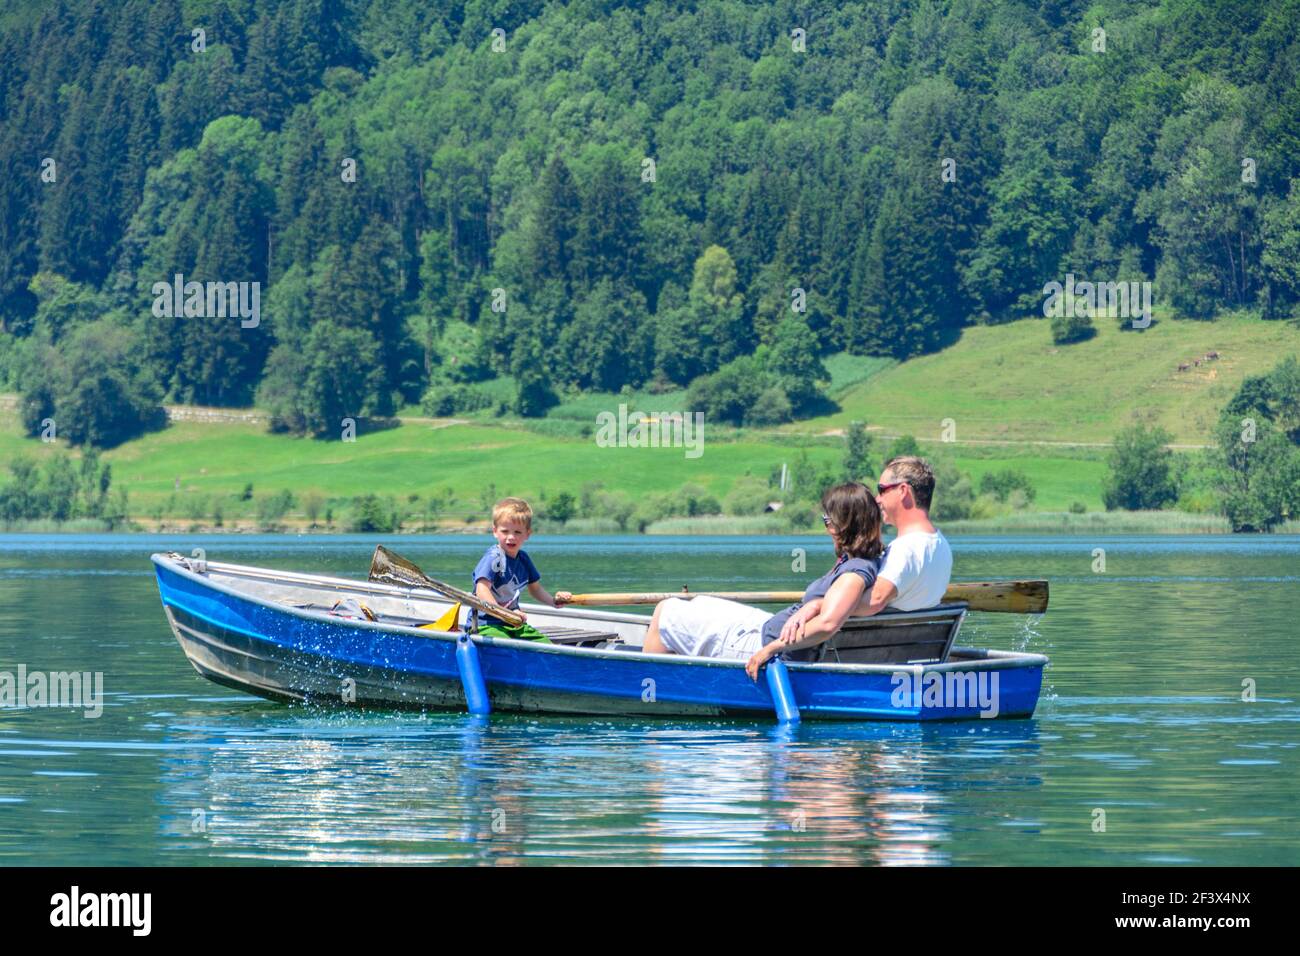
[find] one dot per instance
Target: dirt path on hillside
(839, 433)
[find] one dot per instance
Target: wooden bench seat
(896, 637)
(577, 635)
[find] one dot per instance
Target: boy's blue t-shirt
(506, 576)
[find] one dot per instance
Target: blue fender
(471, 676)
(778, 682)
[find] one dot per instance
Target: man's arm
(882, 592)
(834, 609)
(873, 602)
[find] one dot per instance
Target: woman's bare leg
(653, 642)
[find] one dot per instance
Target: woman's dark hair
(855, 516)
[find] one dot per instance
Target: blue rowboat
(282, 635)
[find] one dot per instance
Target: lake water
(1142, 726)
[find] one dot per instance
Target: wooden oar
(1012, 597)
(387, 567)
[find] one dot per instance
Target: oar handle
(1007, 597)
(654, 597)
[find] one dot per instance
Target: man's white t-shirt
(919, 564)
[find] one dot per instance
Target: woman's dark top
(866, 568)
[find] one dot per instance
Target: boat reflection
(346, 790)
(454, 789)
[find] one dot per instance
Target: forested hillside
(586, 196)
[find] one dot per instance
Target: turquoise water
(1142, 720)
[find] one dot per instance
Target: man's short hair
(917, 473)
(512, 509)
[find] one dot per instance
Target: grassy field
(1009, 382)
(466, 462)
(1017, 401)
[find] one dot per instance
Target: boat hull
(285, 653)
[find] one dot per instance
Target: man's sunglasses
(881, 489)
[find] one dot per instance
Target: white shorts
(711, 627)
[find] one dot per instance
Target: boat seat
(578, 636)
(896, 637)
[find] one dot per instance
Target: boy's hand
(509, 610)
(562, 598)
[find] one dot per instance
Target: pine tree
(555, 224)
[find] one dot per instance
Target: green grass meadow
(1016, 400)
(463, 462)
(1010, 382)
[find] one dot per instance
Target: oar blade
(388, 567)
(1007, 597)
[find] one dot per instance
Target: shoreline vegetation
(208, 475)
(1041, 522)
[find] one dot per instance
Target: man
(918, 563)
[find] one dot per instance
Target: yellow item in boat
(448, 622)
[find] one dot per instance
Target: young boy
(505, 570)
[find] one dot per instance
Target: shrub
(772, 407)
(196, 507)
(808, 479)
(748, 496)
(371, 515)
(1260, 479)
(560, 508)
(857, 453)
(1140, 472)
(312, 503)
(693, 500)
(730, 392)
(954, 496)
(534, 395)
(314, 381)
(954, 493)
(614, 505)
(1000, 484)
(94, 384)
(648, 510)
(1257, 461)
(443, 399)
(1071, 328)
(463, 355)
(60, 490)
(903, 445)
(801, 515)
(794, 365)
(271, 508)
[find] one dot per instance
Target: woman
(712, 627)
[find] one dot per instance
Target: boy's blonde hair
(512, 508)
